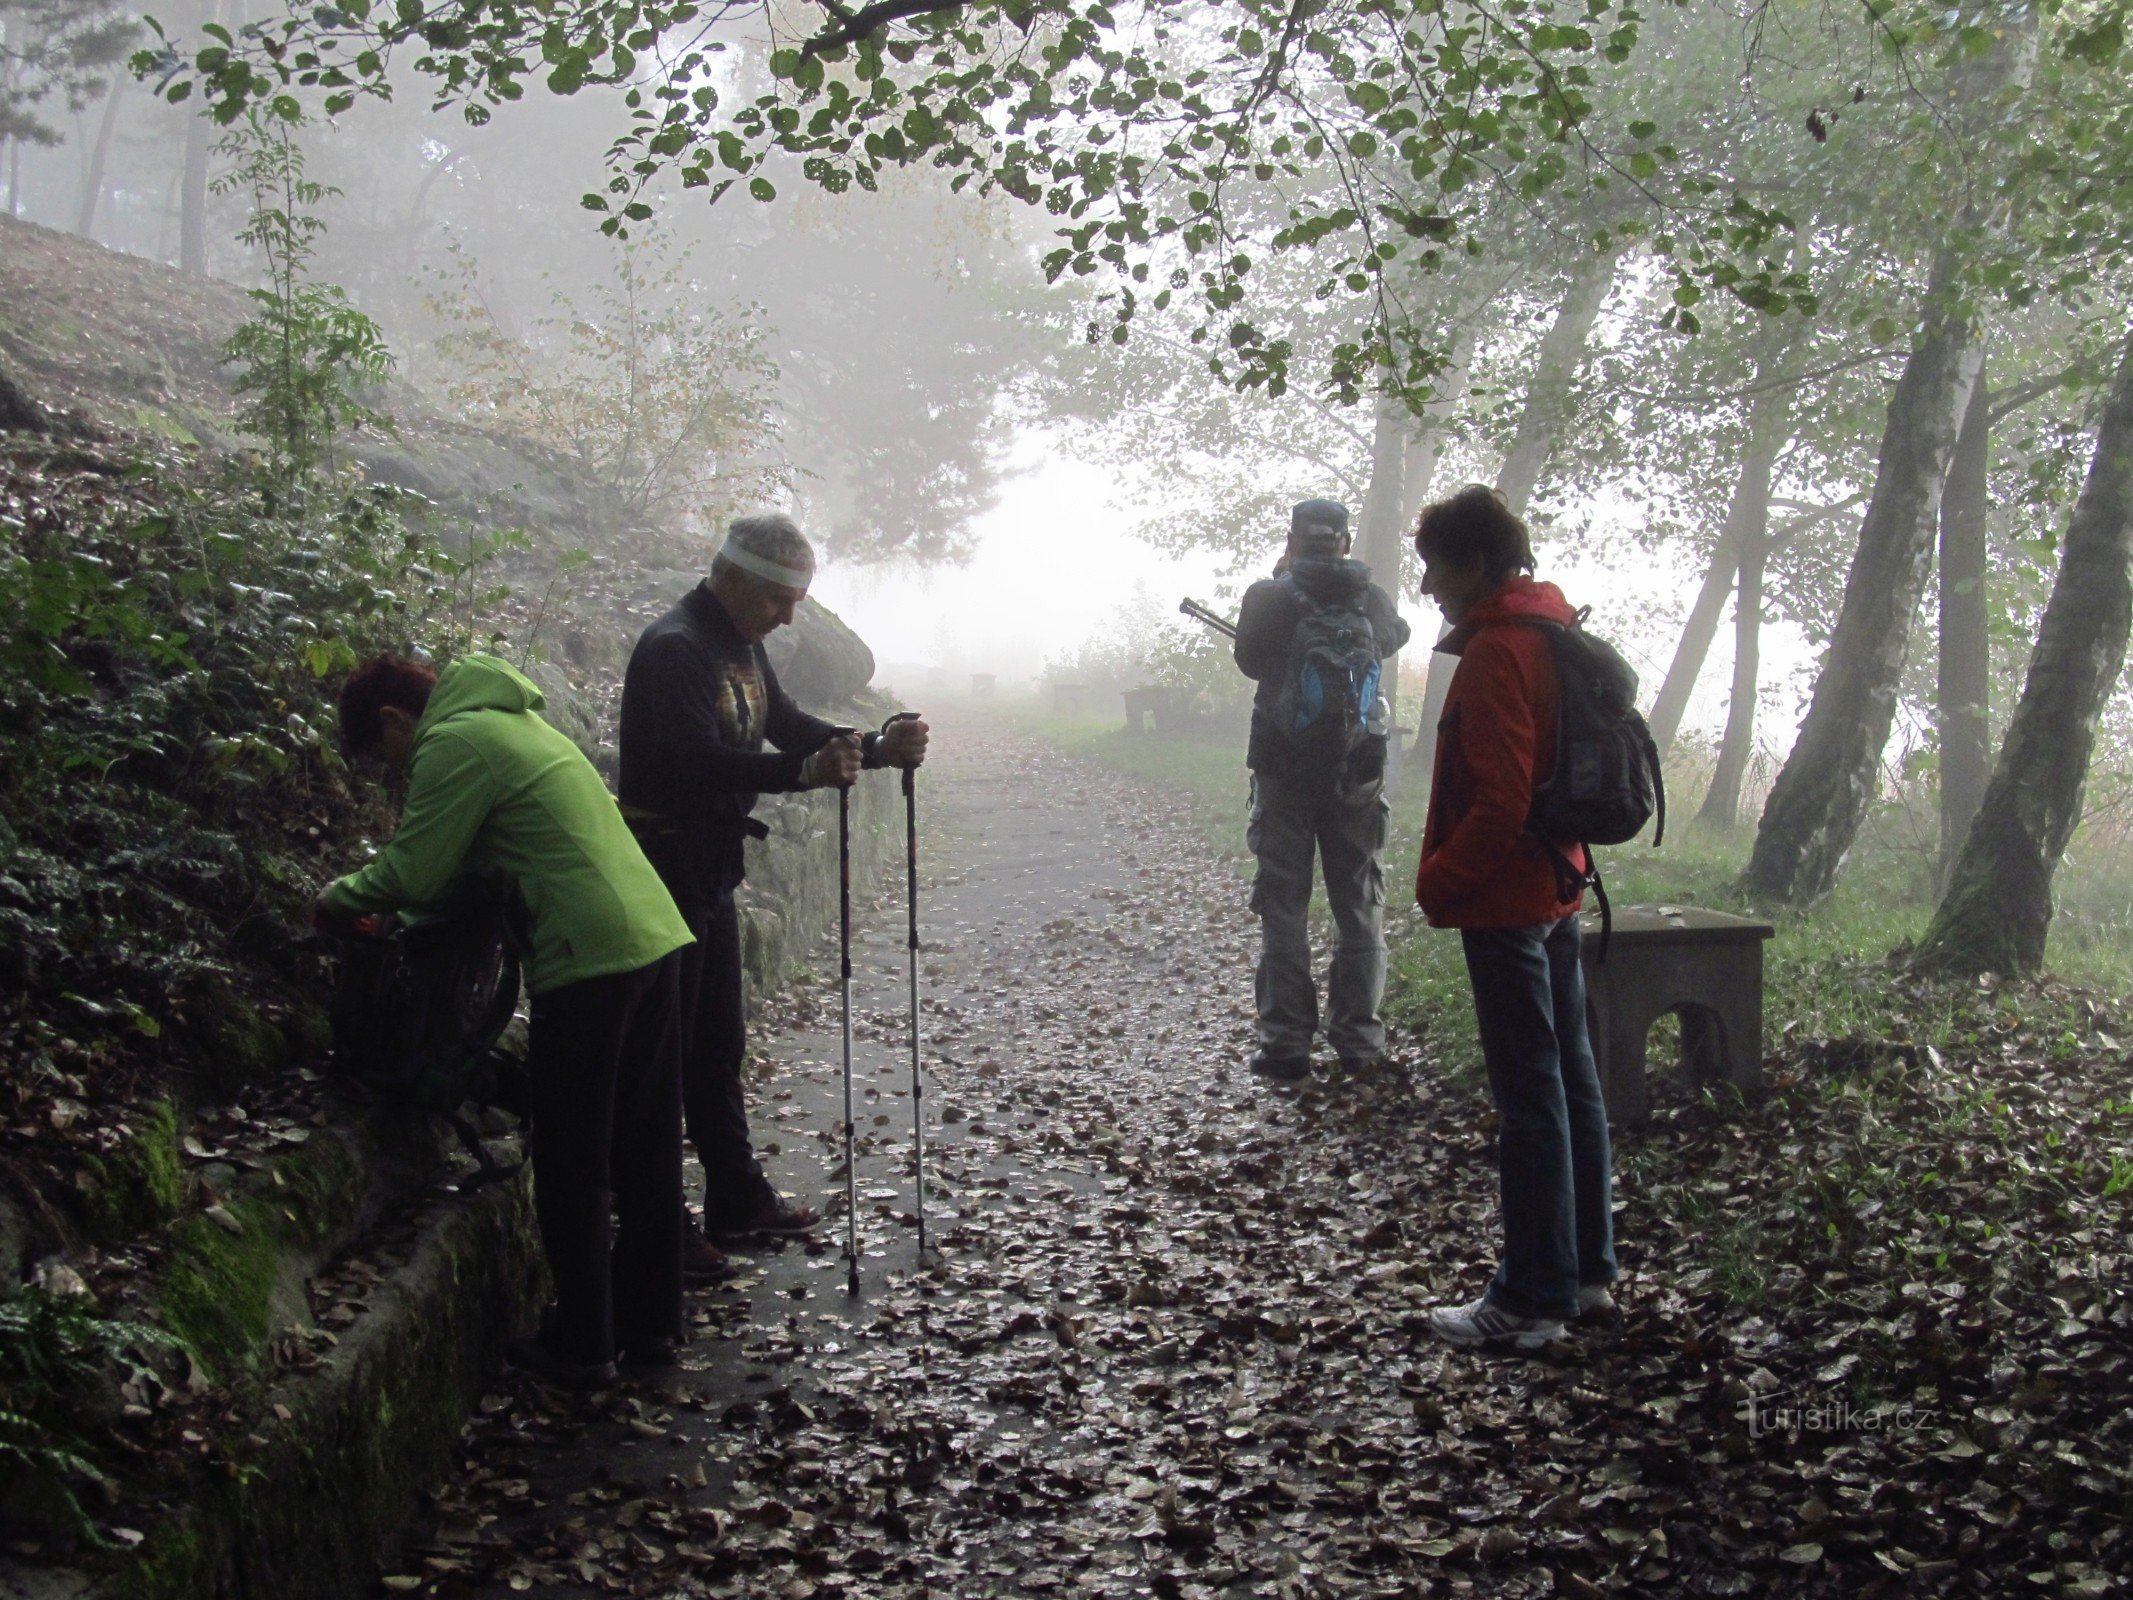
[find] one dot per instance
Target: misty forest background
(1798, 330)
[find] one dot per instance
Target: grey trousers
(1289, 824)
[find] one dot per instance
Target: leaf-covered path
(1173, 1343)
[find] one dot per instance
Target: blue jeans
(1552, 1150)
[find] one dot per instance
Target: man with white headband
(698, 704)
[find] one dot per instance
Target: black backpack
(1607, 784)
(1329, 687)
(417, 1015)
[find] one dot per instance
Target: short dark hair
(380, 682)
(1475, 523)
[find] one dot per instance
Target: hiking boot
(1278, 1069)
(1484, 1323)
(1595, 1300)
(531, 1355)
(704, 1262)
(776, 1215)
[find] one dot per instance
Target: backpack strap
(1569, 883)
(1651, 751)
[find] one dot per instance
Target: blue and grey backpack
(1329, 684)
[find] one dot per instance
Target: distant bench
(1705, 966)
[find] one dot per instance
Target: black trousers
(714, 1046)
(604, 1064)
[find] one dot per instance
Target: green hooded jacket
(495, 792)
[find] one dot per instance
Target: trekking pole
(844, 950)
(918, 1087)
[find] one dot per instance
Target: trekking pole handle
(910, 772)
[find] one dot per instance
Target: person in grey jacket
(1304, 806)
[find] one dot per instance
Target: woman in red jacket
(1513, 898)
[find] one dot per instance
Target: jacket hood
(1521, 599)
(1328, 578)
(479, 683)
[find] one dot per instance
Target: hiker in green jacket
(496, 793)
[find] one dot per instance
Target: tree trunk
(1378, 543)
(92, 183)
(1998, 906)
(1746, 536)
(1555, 370)
(1965, 688)
(1672, 702)
(1721, 802)
(1426, 435)
(1423, 446)
(1830, 779)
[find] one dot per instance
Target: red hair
(380, 682)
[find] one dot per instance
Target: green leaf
(762, 189)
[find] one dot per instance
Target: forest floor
(1874, 1332)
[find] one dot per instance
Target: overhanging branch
(854, 26)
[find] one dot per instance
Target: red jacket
(1495, 743)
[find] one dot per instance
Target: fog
(993, 483)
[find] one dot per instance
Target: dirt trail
(1172, 1344)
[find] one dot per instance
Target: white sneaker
(1484, 1323)
(1595, 1300)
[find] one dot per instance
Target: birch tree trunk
(1555, 370)
(1424, 444)
(1747, 536)
(1965, 687)
(1378, 545)
(1694, 645)
(1378, 541)
(1721, 802)
(1830, 779)
(1998, 906)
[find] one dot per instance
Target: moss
(319, 1189)
(221, 1287)
(239, 1046)
(141, 1185)
(149, 419)
(172, 1562)
(219, 1292)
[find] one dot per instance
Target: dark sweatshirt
(1270, 612)
(698, 702)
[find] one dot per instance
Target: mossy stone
(141, 1185)
(219, 1293)
(227, 1291)
(239, 1046)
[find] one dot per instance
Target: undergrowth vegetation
(172, 784)
(171, 797)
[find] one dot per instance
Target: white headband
(765, 568)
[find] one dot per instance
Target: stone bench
(1144, 705)
(1704, 966)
